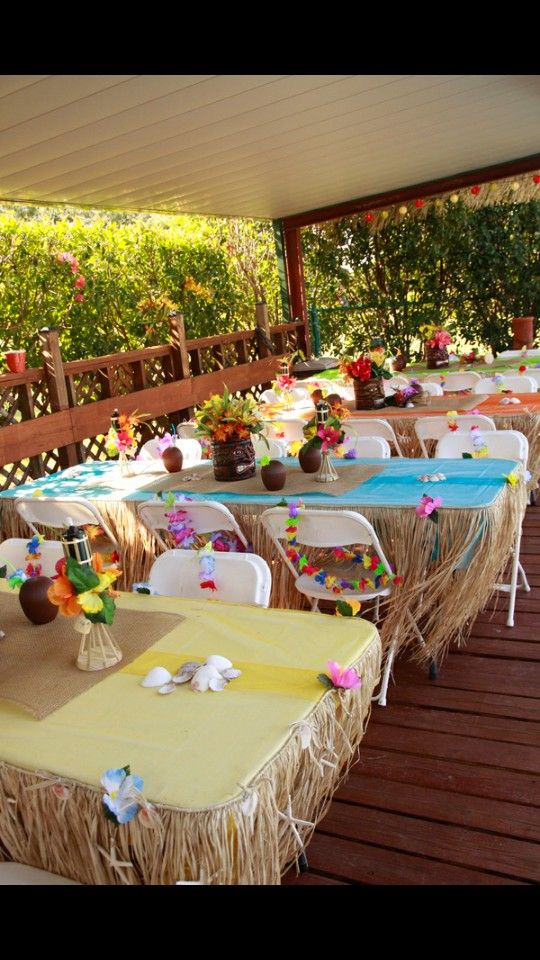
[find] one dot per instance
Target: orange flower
(93, 531)
(62, 594)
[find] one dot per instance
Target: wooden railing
(55, 416)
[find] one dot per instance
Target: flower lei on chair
(336, 584)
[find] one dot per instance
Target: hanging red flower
(536, 178)
(475, 191)
(419, 203)
(368, 217)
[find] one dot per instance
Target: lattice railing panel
(51, 461)
(41, 397)
(122, 379)
(88, 387)
(94, 448)
(12, 474)
(9, 406)
(158, 371)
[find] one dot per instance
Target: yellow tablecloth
(193, 750)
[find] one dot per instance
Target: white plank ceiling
(258, 146)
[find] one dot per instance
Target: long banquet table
(449, 568)
(237, 779)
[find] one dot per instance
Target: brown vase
(368, 394)
(234, 460)
(399, 363)
(172, 459)
(309, 459)
(274, 475)
(523, 330)
(436, 357)
(34, 601)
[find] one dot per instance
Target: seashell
(186, 671)
(424, 477)
(167, 688)
(411, 405)
(514, 400)
(220, 663)
(203, 676)
(305, 732)
(506, 400)
(217, 683)
(440, 476)
(156, 677)
(231, 674)
(249, 803)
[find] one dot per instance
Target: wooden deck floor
(447, 787)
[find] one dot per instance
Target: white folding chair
(506, 445)
(366, 446)
(300, 394)
(432, 389)
(519, 384)
(287, 429)
(59, 511)
(191, 451)
(517, 354)
(205, 516)
(19, 875)
(239, 577)
(393, 384)
(14, 550)
(433, 428)
(372, 427)
(335, 528)
(187, 430)
(274, 450)
(455, 381)
(533, 374)
(269, 396)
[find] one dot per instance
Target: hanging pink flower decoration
(80, 283)
(79, 297)
(427, 505)
(347, 678)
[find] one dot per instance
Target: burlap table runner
(202, 480)
(37, 663)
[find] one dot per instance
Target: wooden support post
(179, 353)
(72, 453)
(295, 279)
(282, 270)
(261, 319)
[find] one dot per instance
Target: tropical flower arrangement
(324, 437)
(367, 366)
(405, 395)
(428, 507)
(121, 440)
(81, 589)
(225, 418)
(435, 337)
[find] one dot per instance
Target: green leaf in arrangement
(326, 681)
(83, 578)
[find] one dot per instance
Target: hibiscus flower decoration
(341, 678)
(428, 507)
(123, 798)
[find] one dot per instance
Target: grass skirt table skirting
(217, 845)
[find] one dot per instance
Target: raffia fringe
(219, 845)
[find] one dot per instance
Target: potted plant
(367, 373)
(228, 422)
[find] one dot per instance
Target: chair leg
(513, 586)
(314, 605)
(381, 698)
(523, 575)
(377, 605)
(414, 625)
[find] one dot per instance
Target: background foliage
(468, 269)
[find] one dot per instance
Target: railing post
(72, 453)
(179, 353)
(261, 319)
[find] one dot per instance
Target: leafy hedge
(134, 269)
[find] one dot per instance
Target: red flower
(79, 297)
(475, 191)
(536, 178)
(80, 282)
(522, 368)
(368, 217)
(419, 203)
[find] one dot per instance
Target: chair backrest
(501, 444)
(59, 511)
(287, 429)
(433, 389)
(372, 427)
(205, 516)
(322, 528)
(13, 551)
(274, 450)
(239, 577)
(393, 384)
(533, 374)
(300, 393)
(187, 430)
(268, 396)
(433, 428)
(519, 384)
(366, 446)
(191, 451)
(515, 354)
(458, 381)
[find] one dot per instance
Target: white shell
(186, 671)
(231, 674)
(440, 476)
(156, 677)
(167, 688)
(305, 732)
(217, 683)
(220, 663)
(514, 400)
(506, 400)
(409, 405)
(201, 680)
(424, 477)
(249, 803)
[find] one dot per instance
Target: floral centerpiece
(367, 372)
(228, 422)
(121, 441)
(324, 432)
(436, 343)
(85, 592)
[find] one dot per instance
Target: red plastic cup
(16, 360)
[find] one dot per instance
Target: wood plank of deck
(447, 787)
